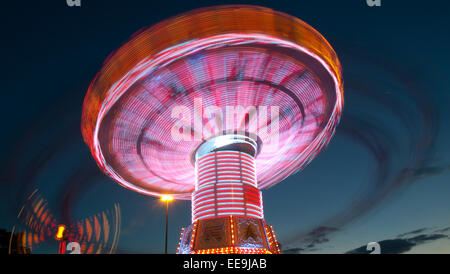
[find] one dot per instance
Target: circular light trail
(169, 89)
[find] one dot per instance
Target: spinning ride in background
(37, 230)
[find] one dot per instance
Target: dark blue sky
(384, 174)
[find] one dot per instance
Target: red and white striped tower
(227, 196)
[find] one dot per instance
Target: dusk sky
(383, 178)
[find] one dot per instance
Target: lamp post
(60, 237)
(167, 199)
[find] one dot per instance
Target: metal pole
(167, 224)
(62, 246)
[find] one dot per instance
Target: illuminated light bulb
(166, 198)
(60, 232)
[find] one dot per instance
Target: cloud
(314, 238)
(295, 250)
(422, 172)
(443, 230)
(404, 242)
(417, 231)
(392, 246)
(401, 245)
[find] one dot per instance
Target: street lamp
(60, 237)
(167, 199)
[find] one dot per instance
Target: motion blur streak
(37, 227)
(398, 157)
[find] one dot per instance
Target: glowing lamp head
(60, 232)
(166, 198)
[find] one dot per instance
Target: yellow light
(60, 232)
(166, 198)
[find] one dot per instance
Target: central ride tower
(227, 210)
